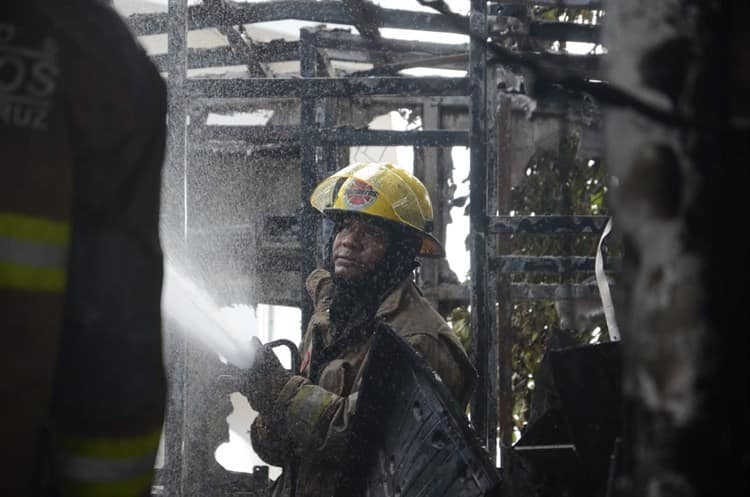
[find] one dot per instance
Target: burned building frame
(486, 111)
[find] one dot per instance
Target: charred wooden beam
(173, 219)
(247, 134)
(242, 151)
(148, 24)
(547, 225)
(202, 57)
(326, 11)
(237, 43)
(483, 404)
(580, 4)
(366, 20)
(548, 264)
(339, 39)
(325, 87)
(319, 63)
(454, 107)
(340, 136)
(273, 51)
(427, 138)
(243, 51)
(556, 67)
(233, 105)
(551, 31)
(451, 104)
(277, 50)
(459, 60)
(407, 59)
(365, 17)
(309, 167)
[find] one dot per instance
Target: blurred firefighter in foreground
(82, 136)
(382, 217)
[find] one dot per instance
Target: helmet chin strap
(329, 233)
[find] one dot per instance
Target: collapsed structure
(236, 211)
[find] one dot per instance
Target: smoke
(225, 331)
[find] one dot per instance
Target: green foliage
(460, 320)
(557, 182)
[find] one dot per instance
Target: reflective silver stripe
(309, 404)
(33, 254)
(93, 469)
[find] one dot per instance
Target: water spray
(198, 316)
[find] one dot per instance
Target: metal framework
(482, 111)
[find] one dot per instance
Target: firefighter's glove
(265, 378)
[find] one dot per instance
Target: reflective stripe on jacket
(35, 212)
(106, 467)
(82, 131)
(33, 253)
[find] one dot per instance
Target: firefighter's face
(357, 248)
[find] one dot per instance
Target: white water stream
(225, 331)
(198, 316)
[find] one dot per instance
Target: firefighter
(382, 220)
(82, 137)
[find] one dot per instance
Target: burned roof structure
(236, 196)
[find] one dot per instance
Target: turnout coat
(308, 434)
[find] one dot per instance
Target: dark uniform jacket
(82, 135)
(309, 436)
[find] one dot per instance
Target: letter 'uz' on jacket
(82, 135)
(309, 439)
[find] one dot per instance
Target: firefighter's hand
(266, 377)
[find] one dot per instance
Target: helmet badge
(359, 195)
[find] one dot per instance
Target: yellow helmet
(383, 191)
